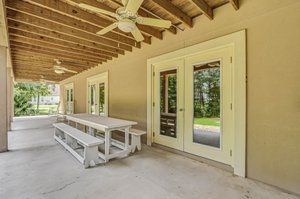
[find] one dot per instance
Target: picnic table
(106, 125)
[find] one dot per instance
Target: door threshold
(195, 157)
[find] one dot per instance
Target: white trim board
(238, 41)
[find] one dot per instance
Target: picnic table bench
(71, 138)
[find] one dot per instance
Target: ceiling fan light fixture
(59, 71)
(126, 25)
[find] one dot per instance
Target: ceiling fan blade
(124, 2)
(59, 69)
(154, 22)
(133, 5)
(107, 29)
(137, 35)
(97, 10)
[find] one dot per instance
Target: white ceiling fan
(127, 18)
(58, 69)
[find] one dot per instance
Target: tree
(207, 93)
(23, 94)
(40, 90)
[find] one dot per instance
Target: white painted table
(107, 125)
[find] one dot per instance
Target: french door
(97, 96)
(69, 99)
(169, 104)
(192, 105)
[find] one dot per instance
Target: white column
(3, 99)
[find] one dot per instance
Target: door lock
(181, 109)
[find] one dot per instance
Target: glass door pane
(102, 99)
(93, 99)
(207, 120)
(168, 103)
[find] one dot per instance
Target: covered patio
(209, 87)
(37, 167)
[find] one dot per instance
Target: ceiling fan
(127, 18)
(58, 69)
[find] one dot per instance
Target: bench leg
(71, 142)
(91, 156)
(59, 134)
(135, 143)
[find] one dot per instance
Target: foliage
(172, 93)
(23, 94)
(207, 93)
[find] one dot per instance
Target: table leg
(91, 131)
(107, 144)
(126, 138)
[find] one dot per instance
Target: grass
(207, 121)
(44, 109)
(42, 106)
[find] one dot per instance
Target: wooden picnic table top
(100, 122)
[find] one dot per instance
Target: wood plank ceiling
(41, 31)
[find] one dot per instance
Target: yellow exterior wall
(273, 89)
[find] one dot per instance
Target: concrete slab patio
(38, 167)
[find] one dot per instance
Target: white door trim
(238, 41)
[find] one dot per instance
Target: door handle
(181, 109)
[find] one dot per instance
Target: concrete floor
(38, 167)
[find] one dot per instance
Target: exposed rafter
(235, 4)
(43, 30)
(42, 23)
(174, 11)
(53, 34)
(17, 39)
(205, 9)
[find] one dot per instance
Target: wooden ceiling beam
(59, 48)
(62, 19)
(205, 8)
(174, 11)
(56, 35)
(145, 29)
(58, 42)
(36, 77)
(42, 23)
(235, 4)
(51, 50)
(80, 14)
(46, 73)
(48, 58)
(43, 65)
(55, 54)
(38, 73)
(27, 68)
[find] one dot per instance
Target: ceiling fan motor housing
(126, 25)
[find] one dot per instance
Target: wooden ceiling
(41, 31)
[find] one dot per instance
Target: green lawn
(207, 121)
(44, 109)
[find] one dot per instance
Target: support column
(3, 99)
(10, 98)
